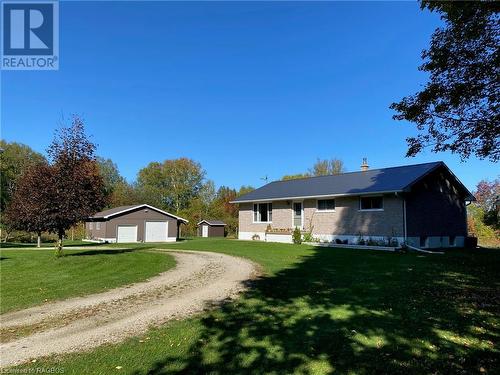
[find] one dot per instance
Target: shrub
(487, 235)
(308, 237)
(297, 236)
(394, 242)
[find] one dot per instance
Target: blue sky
(246, 89)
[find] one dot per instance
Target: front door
(297, 214)
(204, 231)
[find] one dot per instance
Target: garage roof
(385, 180)
(116, 211)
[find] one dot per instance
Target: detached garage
(138, 223)
(211, 228)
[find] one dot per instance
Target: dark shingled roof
(394, 179)
(114, 210)
(212, 222)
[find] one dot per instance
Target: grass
(22, 245)
(321, 310)
(32, 277)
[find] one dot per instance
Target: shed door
(204, 231)
(126, 233)
(156, 231)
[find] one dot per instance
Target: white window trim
(325, 211)
(301, 214)
(253, 216)
(370, 209)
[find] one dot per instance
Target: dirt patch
(199, 280)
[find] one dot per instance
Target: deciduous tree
(172, 184)
(28, 208)
(458, 109)
(110, 174)
(487, 196)
(76, 189)
(327, 167)
(295, 176)
(15, 158)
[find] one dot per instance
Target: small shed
(211, 228)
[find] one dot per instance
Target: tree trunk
(39, 239)
(7, 234)
(59, 245)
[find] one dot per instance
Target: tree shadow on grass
(7, 245)
(32, 245)
(100, 252)
(354, 311)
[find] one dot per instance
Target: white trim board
(145, 206)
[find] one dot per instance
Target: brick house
(423, 205)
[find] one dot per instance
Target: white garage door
(156, 231)
(126, 233)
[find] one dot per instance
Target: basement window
(371, 203)
(423, 241)
(262, 212)
(452, 241)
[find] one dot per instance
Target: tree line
(56, 192)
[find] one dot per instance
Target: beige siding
(94, 232)
(347, 219)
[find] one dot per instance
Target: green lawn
(31, 277)
(325, 310)
(24, 245)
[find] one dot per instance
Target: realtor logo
(30, 39)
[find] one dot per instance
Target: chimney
(364, 165)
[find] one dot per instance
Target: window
(326, 204)
(423, 241)
(98, 226)
(452, 241)
(91, 225)
(371, 203)
(263, 212)
(297, 214)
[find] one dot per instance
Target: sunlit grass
(324, 310)
(33, 277)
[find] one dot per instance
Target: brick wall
(346, 220)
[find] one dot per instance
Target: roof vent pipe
(364, 165)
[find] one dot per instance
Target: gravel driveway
(198, 280)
